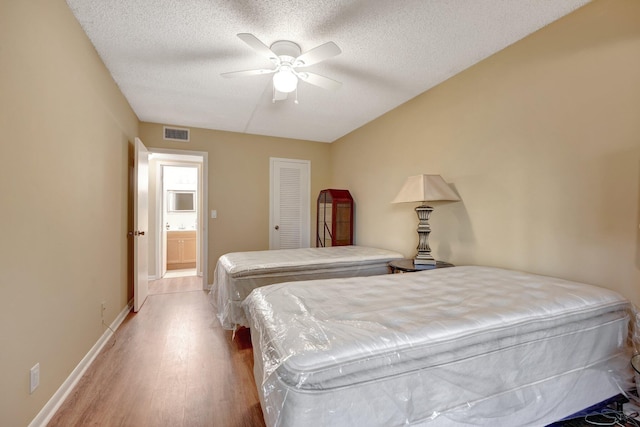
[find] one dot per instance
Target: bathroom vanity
(181, 249)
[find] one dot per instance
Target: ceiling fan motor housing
(287, 49)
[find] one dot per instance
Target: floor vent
(176, 134)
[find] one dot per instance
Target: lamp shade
(425, 188)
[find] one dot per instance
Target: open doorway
(177, 214)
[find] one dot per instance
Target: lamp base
(424, 257)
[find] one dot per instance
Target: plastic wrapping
(454, 346)
(238, 273)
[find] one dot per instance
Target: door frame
(175, 157)
(306, 234)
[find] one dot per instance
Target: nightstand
(406, 266)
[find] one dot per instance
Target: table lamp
(425, 188)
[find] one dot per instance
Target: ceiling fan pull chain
(295, 101)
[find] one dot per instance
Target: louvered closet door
(289, 202)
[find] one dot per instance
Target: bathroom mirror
(182, 201)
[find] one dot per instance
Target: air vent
(176, 134)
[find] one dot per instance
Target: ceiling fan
(287, 58)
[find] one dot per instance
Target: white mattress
(239, 273)
(454, 346)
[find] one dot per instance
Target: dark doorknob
(277, 227)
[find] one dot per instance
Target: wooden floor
(177, 284)
(168, 365)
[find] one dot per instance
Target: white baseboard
(49, 410)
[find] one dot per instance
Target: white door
(289, 217)
(140, 225)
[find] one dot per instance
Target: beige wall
(239, 182)
(63, 184)
(542, 142)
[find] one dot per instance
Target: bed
(448, 347)
(238, 273)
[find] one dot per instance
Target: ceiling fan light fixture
(285, 81)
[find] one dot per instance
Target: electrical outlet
(34, 378)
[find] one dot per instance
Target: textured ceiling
(167, 55)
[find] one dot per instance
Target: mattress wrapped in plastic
(238, 273)
(453, 346)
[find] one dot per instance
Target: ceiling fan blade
(247, 73)
(317, 54)
(320, 81)
(258, 46)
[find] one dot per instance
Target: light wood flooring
(176, 284)
(171, 364)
